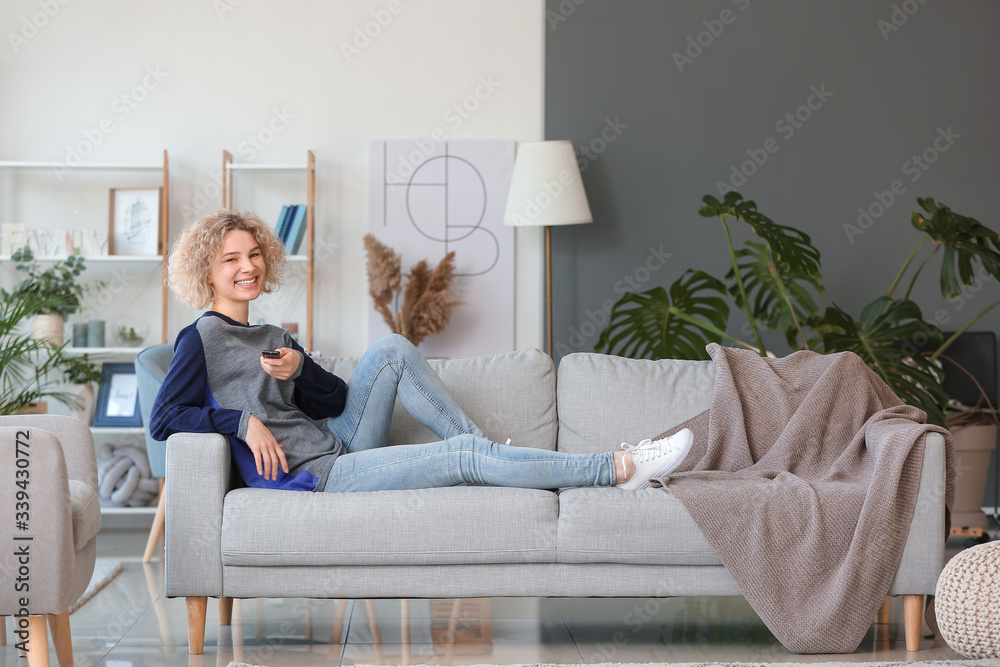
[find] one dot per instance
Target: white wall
(225, 66)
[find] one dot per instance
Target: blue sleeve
(318, 392)
(181, 405)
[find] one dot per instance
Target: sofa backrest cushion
(606, 400)
(509, 395)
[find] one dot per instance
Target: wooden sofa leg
(913, 609)
(225, 611)
(156, 531)
(883, 612)
(196, 610)
(3, 630)
(59, 627)
(38, 642)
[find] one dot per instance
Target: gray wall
(892, 93)
(661, 134)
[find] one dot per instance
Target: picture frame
(118, 397)
(134, 221)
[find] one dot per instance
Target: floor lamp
(545, 190)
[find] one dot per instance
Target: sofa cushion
(452, 525)
(509, 395)
(649, 397)
(610, 525)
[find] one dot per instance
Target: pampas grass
(427, 303)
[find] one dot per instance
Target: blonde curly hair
(192, 255)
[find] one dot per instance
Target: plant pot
(973, 445)
(39, 408)
(85, 402)
(48, 327)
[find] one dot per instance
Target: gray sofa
(477, 541)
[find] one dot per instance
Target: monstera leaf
(884, 338)
(964, 240)
(774, 290)
(678, 324)
(790, 247)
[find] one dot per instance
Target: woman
(293, 425)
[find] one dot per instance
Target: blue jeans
(393, 367)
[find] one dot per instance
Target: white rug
(105, 570)
(987, 662)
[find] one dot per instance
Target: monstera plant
(774, 281)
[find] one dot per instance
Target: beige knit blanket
(803, 477)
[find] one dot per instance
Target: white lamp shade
(546, 188)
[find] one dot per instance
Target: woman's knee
(393, 346)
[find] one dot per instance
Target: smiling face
(236, 275)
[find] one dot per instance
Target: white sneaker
(655, 458)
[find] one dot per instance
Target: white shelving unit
(230, 167)
(9, 169)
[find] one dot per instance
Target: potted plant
(57, 288)
(27, 364)
(775, 281)
(81, 374)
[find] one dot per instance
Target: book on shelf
(297, 229)
(289, 221)
(279, 227)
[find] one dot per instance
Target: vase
(95, 333)
(973, 445)
(83, 403)
(48, 327)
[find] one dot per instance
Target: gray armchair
(151, 368)
(49, 487)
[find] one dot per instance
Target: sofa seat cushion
(611, 525)
(446, 526)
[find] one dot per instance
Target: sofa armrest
(196, 483)
(924, 553)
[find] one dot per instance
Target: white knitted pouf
(967, 601)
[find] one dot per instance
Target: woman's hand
(282, 368)
(267, 453)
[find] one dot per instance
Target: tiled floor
(131, 624)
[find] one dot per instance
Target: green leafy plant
(80, 370)
(129, 336)
(56, 287)
(659, 324)
(774, 281)
(27, 365)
